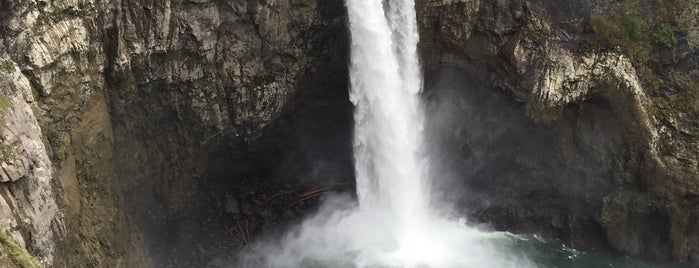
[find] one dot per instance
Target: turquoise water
(555, 255)
(542, 254)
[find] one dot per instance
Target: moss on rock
(5, 66)
(4, 102)
(11, 255)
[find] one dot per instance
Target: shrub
(608, 32)
(636, 25)
(666, 36)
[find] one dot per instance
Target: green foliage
(608, 32)
(631, 32)
(665, 36)
(636, 25)
(5, 103)
(6, 151)
(18, 256)
(5, 66)
(627, 30)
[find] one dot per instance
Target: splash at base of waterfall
(342, 234)
(391, 225)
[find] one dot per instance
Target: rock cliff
(114, 111)
(125, 125)
(606, 156)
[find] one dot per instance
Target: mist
(393, 222)
(497, 165)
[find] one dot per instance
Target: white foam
(392, 225)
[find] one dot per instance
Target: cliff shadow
(498, 166)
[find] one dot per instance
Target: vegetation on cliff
(650, 37)
(11, 255)
(5, 66)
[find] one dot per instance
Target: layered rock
(30, 194)
(124, 114)
(141, 102)
(193, 88)
(644, 201)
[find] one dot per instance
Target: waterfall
(385, 87)
(393, 224)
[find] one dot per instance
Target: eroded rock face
(139, 102)
(123, 111)
(57, 49)
(29, 196)
(645, 148)
(194, 86)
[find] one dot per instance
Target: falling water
(385, 88)
(390, 167)
(393, 225)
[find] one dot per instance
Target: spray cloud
(393, 223)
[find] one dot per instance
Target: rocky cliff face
(607, 153)
(135, 103)
(29, 193)
(127, 124)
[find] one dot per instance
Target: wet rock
(536, 53)
(141, 103)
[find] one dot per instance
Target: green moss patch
(633, 33)
(6, 152)
(627, 30)
(665, 36)
(643, 37)
(5, 103)
(18, 256)
(6, 66)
